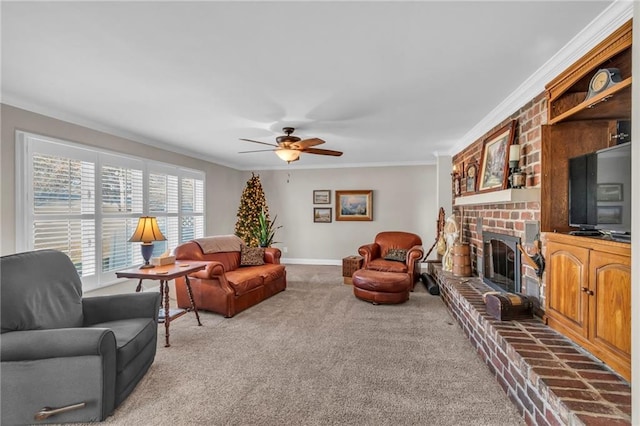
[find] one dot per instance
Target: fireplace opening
(501, 261)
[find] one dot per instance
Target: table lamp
(146, 233)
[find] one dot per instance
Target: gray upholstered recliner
(59, 349)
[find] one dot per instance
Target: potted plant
(266, 230)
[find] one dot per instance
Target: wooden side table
(350, 264)
(164, 274)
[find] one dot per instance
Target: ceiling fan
(290, 147)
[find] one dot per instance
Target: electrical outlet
(284, 249)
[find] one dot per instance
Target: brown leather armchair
(374, 254)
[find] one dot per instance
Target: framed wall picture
(457, 185)
(470, 180)
(494, 164)
(354, 205)
(322, 196)
(609, 192)
(322, 214)
(609, 215)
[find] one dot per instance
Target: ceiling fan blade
(322, 152)
(257, 150)
(306, 143)
(263, 143)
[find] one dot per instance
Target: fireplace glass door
(501, 262)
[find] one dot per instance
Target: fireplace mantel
(500, 197)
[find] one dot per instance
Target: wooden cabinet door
(566, 298)
(610, 306)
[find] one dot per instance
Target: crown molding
(16, 102)
(604, 24)
(598, 29)
(118, 132)
(439, 154)
(344, 166)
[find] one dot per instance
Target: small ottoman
(381, 287)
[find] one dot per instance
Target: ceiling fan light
(288, 155)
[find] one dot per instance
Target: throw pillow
(399, 255)
(251, 256)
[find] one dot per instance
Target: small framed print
(322, 214)
(457, 185)
(609, 214)
(609, 192)
(472, 172)
(322, 196)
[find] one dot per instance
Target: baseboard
(295, 261)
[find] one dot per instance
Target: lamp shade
(288, 155)
(147, 231)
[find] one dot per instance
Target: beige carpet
(316, 355)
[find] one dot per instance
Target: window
(86, 202)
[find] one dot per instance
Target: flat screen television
(600, 192)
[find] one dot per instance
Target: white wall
(222, 183)
(445, 196)
(404, 199)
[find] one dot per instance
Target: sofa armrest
(213, 274)
(32, 345)
(272, 255)
(414, 254)
(213, 269)
(369, 252)
(121, 306)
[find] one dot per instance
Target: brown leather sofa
(226, 287)
(374, 254)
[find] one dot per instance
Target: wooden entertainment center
(588, 279)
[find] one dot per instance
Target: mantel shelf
(500, 197)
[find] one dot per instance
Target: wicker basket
(350, 264)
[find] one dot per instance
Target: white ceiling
(385, 82)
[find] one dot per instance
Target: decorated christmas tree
(252, 204)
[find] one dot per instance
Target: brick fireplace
(507, 217)
(551, 380)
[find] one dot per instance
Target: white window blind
(192, 208)
(86, 203)
(163, 203)
(63, 208)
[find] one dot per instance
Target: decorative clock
(602, 80)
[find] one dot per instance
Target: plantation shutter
(86, 203)
(122, 205)
(192, 209)
(163, 204)
(63, 209)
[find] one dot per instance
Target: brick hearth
(550, 380)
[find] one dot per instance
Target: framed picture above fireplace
(494, 164)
